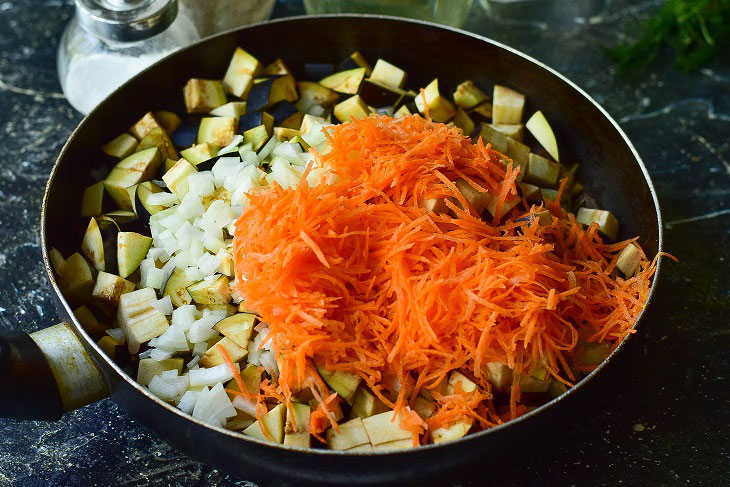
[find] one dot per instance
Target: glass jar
(449, 12)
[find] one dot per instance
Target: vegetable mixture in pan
(425, 268)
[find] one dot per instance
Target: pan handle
(46, 373)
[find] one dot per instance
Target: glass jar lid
(125, 20)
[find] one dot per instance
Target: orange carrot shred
(358, 276)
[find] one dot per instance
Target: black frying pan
(79, 372)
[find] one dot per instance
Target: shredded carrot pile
(357, 276)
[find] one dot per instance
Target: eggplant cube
(140, 166)
(132, 248)
(507, 105)
(384, 428)
(231, 109)
(351, 435)
(607, 223)
(139, 318)
(366, 404)
(199, 153)
(241, 71)
(76, 279)
(274, 424)
(451, 432)
(440, 109)
(286, 115)
(541, 171)
(214, 356)
(92, 245)
(148, 368)
(296, 429)
(216, 291)
(343, 383)
(92, 203)
(109, 288)
(237, 328)
(515, 131)
(277, 68)
(468, 95)
(177, 177)
(176, 288)
(203, 95)
(347, 82)
(271, 91)
(495, 138)
(464, 122)
(352, 108)
(158, 138)
(217, 130)
(388, 74)
(355, 60)
(186, 133)
(144, 126)
(121, 146)
(169, 121)
(629, 260)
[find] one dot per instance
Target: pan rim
(121, 375)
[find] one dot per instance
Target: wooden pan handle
(46, 373)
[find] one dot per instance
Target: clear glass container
(91, 67)
(449, 12)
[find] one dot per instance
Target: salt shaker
(109, 41)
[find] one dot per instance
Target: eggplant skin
(317, 71)
(186, 134)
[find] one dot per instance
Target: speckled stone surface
(661, 413)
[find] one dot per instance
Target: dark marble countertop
(661, 415)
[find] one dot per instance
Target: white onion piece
(162, 199)
(235, 141)
(187, 401)
(211, 375)
(117, 334)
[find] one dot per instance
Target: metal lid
(125, 20)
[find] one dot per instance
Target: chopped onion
(162, 199)
(187, 401)
(117, 334)
(237, 139)
(211, 375)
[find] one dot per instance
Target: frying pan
(61, 368)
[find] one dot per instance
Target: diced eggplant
(395, 445)
(435, 205)
(477, 199)
(228, 308)
(217, 130)
(93, 201)
(56, 258)
(286, 115)
(297, 435)
(499, 375)
(140, 166)
(284, 134)
(76, 279)
(214, 356)
(464, 122)
(440, 109)
(402, 112)
(520, 155)
(541, 171)
(176, 178)
(317, 71)
(376, 93)
(343, 383)
(310, 122)
(277, 68)
(351, 434)
(365, 404)
(237, 328)
(241, 71)
(388, 74)
(556, 389)
(468, 95)
(109, 345)
(177, 288)
(457, 380)
(629, 260)
(424, 408)
(452, 432)
(257, 128)
(200, 153)
(89, 321)
(352, 108)
(507, 105)
(169, 121)
(121, 146)
(607, 223)
(92, 245)
(482, 112)
(158, 138)
(144, 126)
(355, 60)
(314, 94)
(139, 318)
(302, 143)
(109, 288)
(273, 423)
(530, 191)
(271, 91)
(186, 134)
(149, 368)
(211, 292)
(382, 428)
(233, 109)
(549, 194)
(347, 82)
(516, 131)
(132, 248)
(530, 384)
(203, 95)
(541, 130)
(142, 208)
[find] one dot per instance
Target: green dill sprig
(694, 29)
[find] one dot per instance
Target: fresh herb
(694, 29)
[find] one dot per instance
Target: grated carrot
(356, 275)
